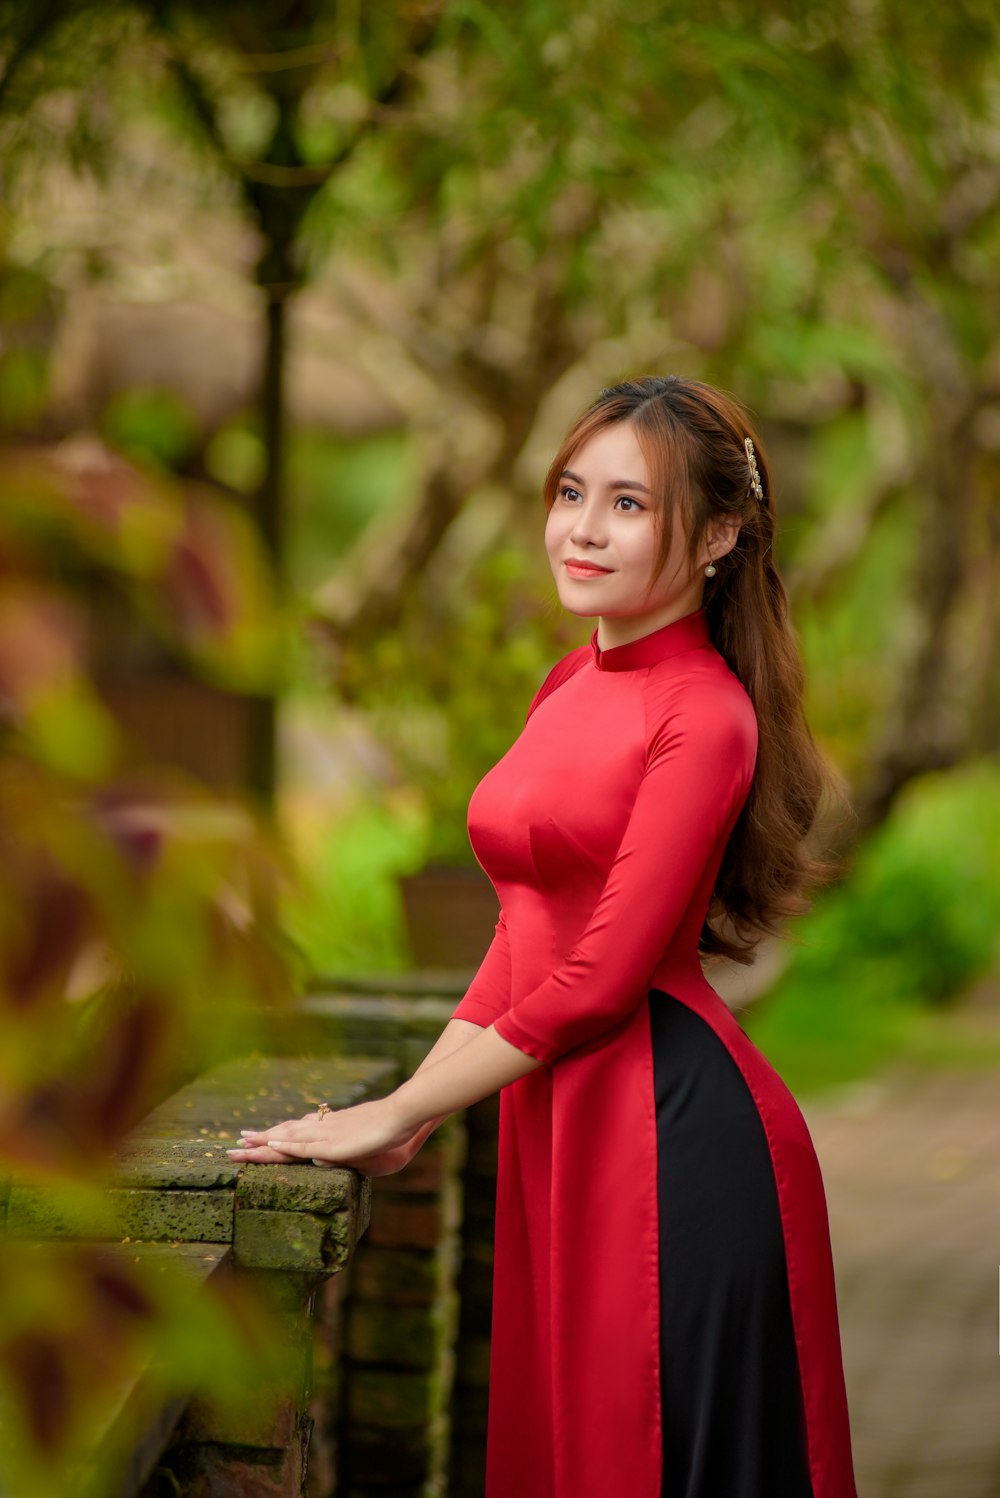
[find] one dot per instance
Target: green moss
(296, 1242)
(399, 1277)
(399, 1336)
(392, 1399)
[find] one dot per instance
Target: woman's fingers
(291, 1128)
(269, 1147)
(259, 1154)
(301, 1149)
(340, 1136)
(379, 1163)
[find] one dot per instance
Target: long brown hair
(693, 440)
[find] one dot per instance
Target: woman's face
(603, 542)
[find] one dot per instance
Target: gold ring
(323, 1110)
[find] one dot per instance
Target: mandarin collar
(689, 633)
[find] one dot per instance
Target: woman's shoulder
(561, 672)
(700, 692)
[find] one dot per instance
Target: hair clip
(755, 483)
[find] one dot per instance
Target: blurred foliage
(916, 921)
(348, 916)
(151, 426)
(850, 640)
(444, 697)
(336, 486)
(137, 922)
(27, 310)
(449, 690)
(23, 387)
(803, 207)
(78, 1321)
(508, 207)
(336, 489)
(188, 564)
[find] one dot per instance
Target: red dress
(603, 828)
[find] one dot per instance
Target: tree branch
(39, 20)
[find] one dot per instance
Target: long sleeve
(697, 774)
(488, 995)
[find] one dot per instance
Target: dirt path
(912, 1170)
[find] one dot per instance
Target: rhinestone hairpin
(755, 483)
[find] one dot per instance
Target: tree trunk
(268, 512)
(927, 728)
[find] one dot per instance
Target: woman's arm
(456, 1033)
(484, 1065)
(465, 1068)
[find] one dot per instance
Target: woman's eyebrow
(568, 473)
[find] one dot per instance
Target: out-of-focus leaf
(151, 425)
(47, 917)
(40, 642)
(79, 1320)
(236, 457)
(72, 733)
(192, 564)
(23, 387)
(213, 598)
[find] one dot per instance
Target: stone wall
(400, 1324)
(387, 1391)
(176, 1202)
(470, 1392)
(405, 1340)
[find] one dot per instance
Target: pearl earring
(710, 570)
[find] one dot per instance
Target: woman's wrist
(407, 1118)
(483, 1066)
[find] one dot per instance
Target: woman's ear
(720, 538)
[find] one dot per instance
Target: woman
(665, 1318)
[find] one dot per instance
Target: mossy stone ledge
(174, 1182)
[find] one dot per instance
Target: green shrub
(915, 922)
(349, 918)
(150, 425)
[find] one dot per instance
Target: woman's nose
(587, 527)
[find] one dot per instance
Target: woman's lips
(586, 569)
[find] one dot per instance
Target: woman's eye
(628, 504)
(568, 493)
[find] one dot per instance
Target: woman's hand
(387, 1162)
(371, 1132)
(471, 1064)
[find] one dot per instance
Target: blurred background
(296, 301)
